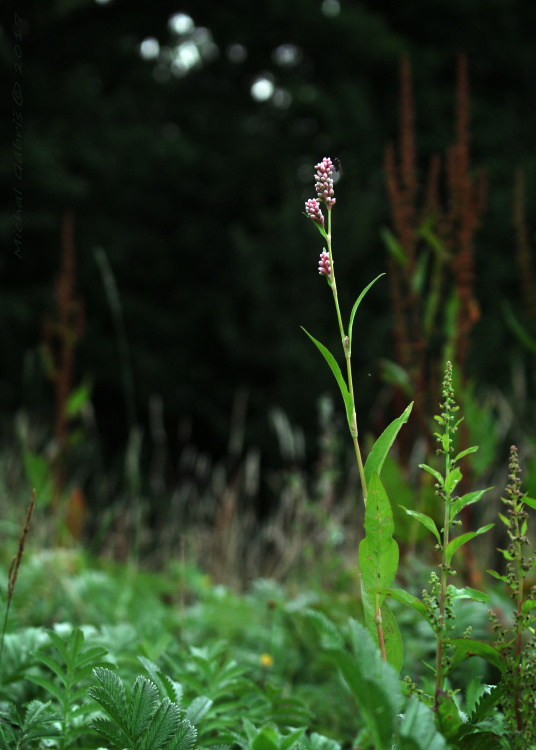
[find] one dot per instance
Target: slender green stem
(347, 354)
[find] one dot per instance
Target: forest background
(155, 160)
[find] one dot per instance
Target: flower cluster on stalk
(324, 194)
(324, 265)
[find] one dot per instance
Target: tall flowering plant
(378, 552)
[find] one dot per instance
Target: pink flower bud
(324, 266)
(312, 209)
(324, 183)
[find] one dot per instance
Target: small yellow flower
(266, 660)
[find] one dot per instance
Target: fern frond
(184, 738)
(168, 687)
(143, 702)
(110, 694)
(197, 709)
(163, 726)
(111, 732)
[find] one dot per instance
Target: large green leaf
(378, 563)
(383, 444)
(336, 370)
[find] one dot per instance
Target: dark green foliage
(21, 731)
(159, 169)
(72, 666)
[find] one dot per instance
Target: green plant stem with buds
(519, 659)
(446, 439)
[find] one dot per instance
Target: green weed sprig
(519, 658)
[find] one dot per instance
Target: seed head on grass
(14, 568)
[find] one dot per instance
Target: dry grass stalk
(14, 568)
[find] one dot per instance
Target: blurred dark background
(167, 149)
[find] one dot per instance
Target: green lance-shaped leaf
(383, 444)
(466, 452)
(402, 596)
(451, 480)
(468, 593)
(336, 370)
(318, 226)
(458, 541)
(378, 562)
(434, 473)
(527, 606)
(466, 647)
(354, 309)
(426, 521)
(467, 499)
(530, 502)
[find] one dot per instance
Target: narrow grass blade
(356, 305)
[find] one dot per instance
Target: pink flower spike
(324, 182)
(324, 266)
(312, 209)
